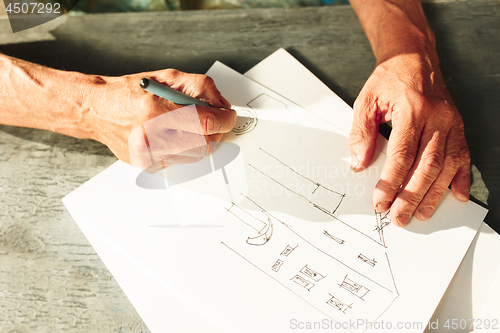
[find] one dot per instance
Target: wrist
(87, 96)
(410, 42)
(395, 27)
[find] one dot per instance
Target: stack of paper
(294, 242)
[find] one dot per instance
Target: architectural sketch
(367, 260)
(263, 225)
(319, 196)
(354, 287)
(245, 122)
(288, 249)
(313, 200)
(312, 274)
(339, 265)
(302, 282)
(277, 265)
(336, 239)
(319, 263)
(338, 304)
(382, 220)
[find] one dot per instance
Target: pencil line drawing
(392, 275)
(355, 283)
(336, 239)
(245, 122)
(264, 101)
(312, 274)
(330, 212)
(302, 282)
(367, 260)
(277, 265)
(264, 232)
(311, 268)
(354, 288)
(338, 304)
(317, 248)
(383, 220)
(282, 284)
(288, 249)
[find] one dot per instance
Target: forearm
(395, 27)
(39, 97)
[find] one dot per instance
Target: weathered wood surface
(51, 280)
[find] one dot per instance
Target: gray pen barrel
(166, 92)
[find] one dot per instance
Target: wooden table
(51, 280)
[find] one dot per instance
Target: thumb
(364, 133)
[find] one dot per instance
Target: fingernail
(355, 163)
(426, 213)
(403, 219)
(465, 194)
(383, 206)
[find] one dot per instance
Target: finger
(170, 160)
(451, 163)
(364, 133)
(190, 156)
(195, 85)
(193, 119)
(422, 175)
(460, 185)
(401, 154)
(174, 142)
(213, 121)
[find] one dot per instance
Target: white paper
(219, 271)
(473, 284)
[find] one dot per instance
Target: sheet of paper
(282, 73)
(164, 310)
(160, 306)
(473, 295)
(302, 228)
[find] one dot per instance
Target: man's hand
(427, 149)
(109, 109)
(151, 132)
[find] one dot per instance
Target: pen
(166, 92)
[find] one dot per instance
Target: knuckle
(413, 200)
(403, 159)
(206, 82)
(388, 186)
(447, 115)
(360, 134)
(431, 165)
(435, 194)
(356, 136)
(173, 73)
(209, 123)
(465, 156)
(452, 161)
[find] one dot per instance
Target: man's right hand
(151, 132)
